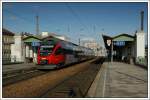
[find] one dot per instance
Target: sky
(75, 20)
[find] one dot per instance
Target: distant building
(91, 43)
(25, 34)
(61, 37)
(7, 40)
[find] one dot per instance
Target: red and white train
(57, 54)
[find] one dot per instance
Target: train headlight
(43, 58)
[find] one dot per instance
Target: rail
(14, 77)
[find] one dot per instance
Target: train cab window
(45, 50)
(59, 51)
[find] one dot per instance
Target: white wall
(16, 50)
(27, 51)
(140, 44)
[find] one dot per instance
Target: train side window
(67, 51)
(59, 51)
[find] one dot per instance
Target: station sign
(108, 42)
(119, 43)
(35, 44)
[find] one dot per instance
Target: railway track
(16, 76)
(71, 81)
(21, 75)
(76, 86)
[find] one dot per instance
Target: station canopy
(118, 40)
(31, 39)
(123, 37)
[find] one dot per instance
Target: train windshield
(46, 50)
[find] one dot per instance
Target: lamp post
(111, 50)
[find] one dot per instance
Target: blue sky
(84, 20)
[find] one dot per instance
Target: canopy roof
(121, 37)
(32, 39)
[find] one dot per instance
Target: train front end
(45, 57)
(44, 53)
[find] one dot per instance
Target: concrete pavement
(120, 80)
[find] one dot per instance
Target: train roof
(72, 46)
(65, 44)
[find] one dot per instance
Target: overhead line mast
(37, 24)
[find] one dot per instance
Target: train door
(59, 56)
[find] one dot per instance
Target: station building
(7, 40)
(125, 47)
(128, 48)
(22, 50)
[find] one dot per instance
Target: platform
(17, 67)
(120, 80)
